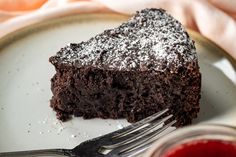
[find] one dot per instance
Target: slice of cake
(139, 68)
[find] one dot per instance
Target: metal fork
(129, 141)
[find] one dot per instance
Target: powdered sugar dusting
(152, 39)
(159, 51)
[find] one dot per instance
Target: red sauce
(210, 148)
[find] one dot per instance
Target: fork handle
(45, 152)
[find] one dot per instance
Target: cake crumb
(40, 132)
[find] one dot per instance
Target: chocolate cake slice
(139, 68)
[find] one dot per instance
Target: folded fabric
(215, 19)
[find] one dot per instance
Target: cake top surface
(151, 39)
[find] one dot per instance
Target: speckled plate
(27, 121)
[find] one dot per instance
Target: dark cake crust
(133, 71)
(152, 39)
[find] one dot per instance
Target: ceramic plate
(27, 121)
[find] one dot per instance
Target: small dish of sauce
(209, 140)
(203, 148)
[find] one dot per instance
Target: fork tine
(141, 142)
(144, 146)
(137, 134)
(139, 124)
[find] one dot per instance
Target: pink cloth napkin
(215, 19)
